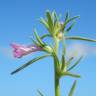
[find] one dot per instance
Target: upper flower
(21, 50)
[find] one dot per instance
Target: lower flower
(21, 50)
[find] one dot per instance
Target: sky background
(17, 20)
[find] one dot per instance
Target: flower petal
(20, 50)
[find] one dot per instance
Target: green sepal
(40, 93)
(76, 63)
(79, 38)
(29, 63)
(70, 74)
(72, 88)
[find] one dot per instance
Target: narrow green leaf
(44, 22)
(80, 38)
(57, 28)
(63, 63)
(69, 61)
(45, 35)
(29, 63)
(50, 21)
(76, 63)
(73, 88)
(53, 15)
(70, 74)
(71, 19)
(66, 16)
(38, 38)
(36, 43)
(70, 27)
(40, 93)
(56, 17)
(63, 45)
(63, 67)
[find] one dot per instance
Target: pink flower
(21, 50)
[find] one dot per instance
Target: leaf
(50, 21)
(73, 88)
(69, 20)
(66, 16)
(56, 17)
(63, 63)
(70, 74)
(66, 19)
(69, 61)
(63, 45)
(34, 41)
(40, 93)
(57, 27)
(29, 63)
(63, 67)
(38, 38)
(80, 38)
(44, 22)
(70, 27)
(76, 63)
(45, 35)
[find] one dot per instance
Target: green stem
(57, 85)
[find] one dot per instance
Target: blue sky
(17, 20)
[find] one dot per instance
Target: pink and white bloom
(21, 50)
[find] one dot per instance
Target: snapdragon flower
(21, 50)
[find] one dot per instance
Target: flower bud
(60, 35)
